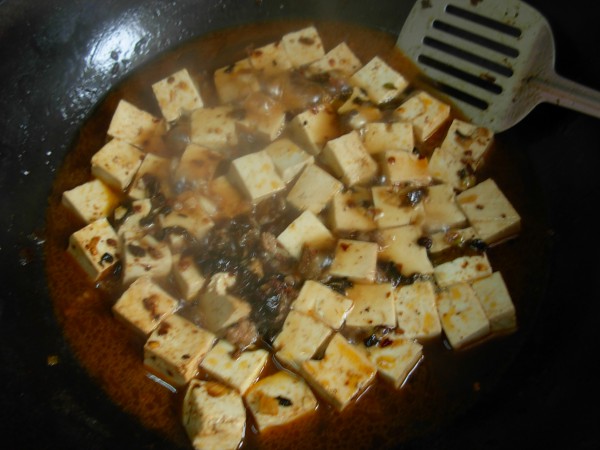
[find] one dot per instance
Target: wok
(59, 58)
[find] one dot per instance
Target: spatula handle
(568, 94)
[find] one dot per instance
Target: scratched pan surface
(57, 63)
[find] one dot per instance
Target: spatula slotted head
(481, 54)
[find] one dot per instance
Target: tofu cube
(152, 175)
(395, 207)
(355, 260)
(303, 46)
(214, 416)
(426, 113)
(197, 165)
(445, 240)
(323, 303)
(220, 310)
(188, 213)
(307, 230)
(135, 126)
(238, 370)
(445, 167)
(255, 175)
(462, 316)
(313, 189)
(264, 117)
(416, 311)
(301, 338)
(175, 348)
(90, 201)
(373, 306)
(214, 128)
(395, 358)
(177, 94)
(401, 246)
(116, 163)
(496, 302)
(279, 399)
(228, 200)
(349, 160)
(289, 159)
(349, 212)
(489, 212)
(130, 219)
(144, 256)
(379, 137)
(187, 276)
(270, 59)
(339, 59)
(342, 374)
(144, 305)
(441, 210)
(468, 142)
(380, 81)
(402, 168)
(236, 81)
(463, 269)
(358, 98)
(95, 247)
(313, 128)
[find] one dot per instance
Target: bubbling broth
(443, 385)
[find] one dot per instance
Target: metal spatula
(494, 58)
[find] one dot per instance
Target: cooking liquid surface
(443, 386)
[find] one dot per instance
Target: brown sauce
(443, 386)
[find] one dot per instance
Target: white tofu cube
(289, 159)
(279, 399)
(468, 142)
(394, 207)
(401, 246)
(373, 306)
(90, 201)
(130, 219)
(214, 128)
(444, 240)
(380, 81)
(461, 315)
(116, 163)
(303, 46)
(402, 168)
(355, 260)
(444, 166)
(236, 81)
(228, 200)
(348, 212)
(264, 117)
(496, 302)
(188, 213)
(339, 59)
(175, 348)
(349, 160)
(301, 338)
(307, 230)
(187, 276)
(256, 176)
(214, 416)
(489, 212)
(441, 210)
(313, 189)
(395, 358)
(218, 311)
(152, 174)
(426, 113)
(270, 59)
(379, 137)
(144, 256)
(358, 98)
(135, 126)
(416, 311)
(463, 269)
(342, 374)
(323, 303)
(95, 247)
(177, 94)
(313, 128)
(144, 305)
(197, 165)
(238, 370)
